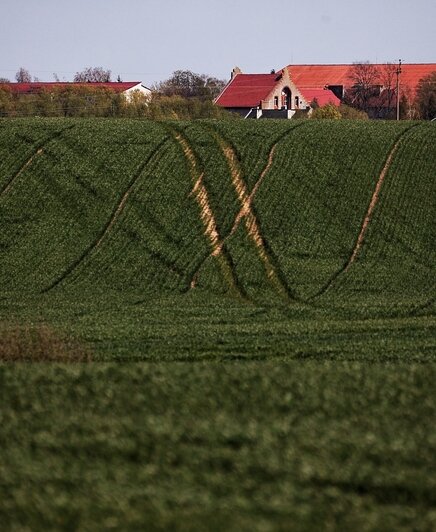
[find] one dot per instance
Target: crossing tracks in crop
(112, 220)
(247, 213)
(230, 206)
(244, 209)
(38, 151)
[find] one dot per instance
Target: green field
(256, 302)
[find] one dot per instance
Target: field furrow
(250, 220)
(67, 197)
(399, 256)
(367, 219)
(199, 192)
(252, 142)
(313, 203)
(110, 223)
(39, 150)
(371, 207)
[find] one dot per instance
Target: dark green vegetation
(311, 445)
(87, 101)
(259, 301)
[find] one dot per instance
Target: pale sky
(146, 40)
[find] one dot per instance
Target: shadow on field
(387, 494)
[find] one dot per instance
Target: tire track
(38, 151)
(110, 223)
(368, 216)
(407, 249)
(371, 207)
(245, 209)
(199, 192)
(426, 304)
(242, 212)
(246, 212)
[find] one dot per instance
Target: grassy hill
(257, 300)
(115, 204)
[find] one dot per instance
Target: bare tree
(93, 74)
(23, 76)
(5, 80)
(191, 85)
(366, 84)
(388, 80)
(426, 96)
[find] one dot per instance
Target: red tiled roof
(247, 90)
(321, 75)
(24, 88)
(322, 96)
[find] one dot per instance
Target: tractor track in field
(368, 217)
(426, 304)
(247, 214)
(199, 192)
(110, 223)
(243, 211)
(39, 150)
(407, 249)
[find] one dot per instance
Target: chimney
(235, 72)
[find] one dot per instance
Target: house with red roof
(273, 95)
(120, 87)
(295, 88)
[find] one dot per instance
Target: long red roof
(38, 86)
(321, 75)
(247, 90)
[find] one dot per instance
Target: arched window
(286, 98)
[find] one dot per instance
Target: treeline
(84, 101)
(373, 90)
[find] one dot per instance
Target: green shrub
(350, 113)
(328, 111)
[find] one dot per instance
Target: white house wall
(139, 87)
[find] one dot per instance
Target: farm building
(123, 87)
(295, 87)
(273, 95)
